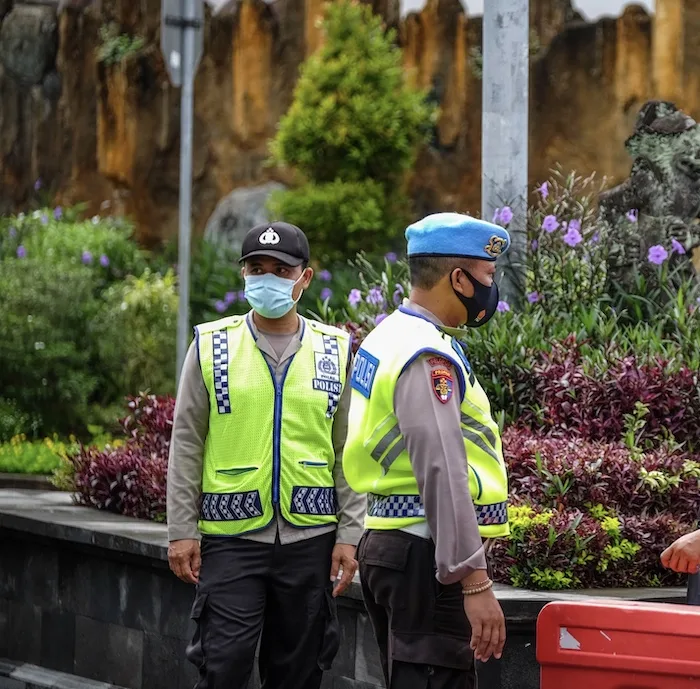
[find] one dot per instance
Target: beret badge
(495, 246)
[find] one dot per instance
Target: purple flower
(104, 260)
(375, 296)
(573, 236)
(230, 297)
(633, 215)
(575, 224)
(506, 215)
(241, 295)
(677, 247)
(534, 244)
(220, 305)
(38, 184)
(44, 219)
(86, 258)
(657, 255)
(503, 306)
(398, 293)
(595, 238)
(355, 297)
(21, 251)
(550, 223)
(326, 293)
(380, 318)
(58, 212)
(391, 257)
(544, 190)
(533, 297)
(325, 276)
(13, 233)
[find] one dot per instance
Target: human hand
(343, 558)
(488, 625)
(185, 559)
(683, 555)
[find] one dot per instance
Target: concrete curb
(26, 481)
(26, 676)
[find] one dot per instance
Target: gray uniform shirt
(435, 445)
(190, 427)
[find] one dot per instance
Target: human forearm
(186, 458)
(435, 446)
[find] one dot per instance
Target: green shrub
(216, 285)
(15, 421)
(105, 245)
(352, 134)
(45, 312)
(135, 334)
(340, 217)
(19, 456)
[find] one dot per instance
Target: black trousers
(280, 595)
(420, 625)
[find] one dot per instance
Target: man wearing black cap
(255, 473)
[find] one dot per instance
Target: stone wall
(89, 593)
(101, 132)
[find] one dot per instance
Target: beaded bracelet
(477, 588)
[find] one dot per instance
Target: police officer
(423, 444)
(256, 472)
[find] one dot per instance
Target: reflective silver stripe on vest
(220, 354)
(481, 428)
(402, 506)
(230, 507)
(475, 438)
(313, 500)
(383, 444)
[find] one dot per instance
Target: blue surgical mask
(270, 295)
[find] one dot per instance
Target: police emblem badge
(443, 385)
(495, 246)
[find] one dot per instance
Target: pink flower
(573, 236)
(677, 247)
(550, 223)
(657, 255)
(503, 306)
(505, 216)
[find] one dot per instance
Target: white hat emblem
(269, 236)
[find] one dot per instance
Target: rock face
(98, 132)
(28, 41)
(237, 212)
(664, 185)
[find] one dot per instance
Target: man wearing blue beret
(423, 445)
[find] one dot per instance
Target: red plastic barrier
(606, 645)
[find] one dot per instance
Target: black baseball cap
(280, 240)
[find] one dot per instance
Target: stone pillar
(504, 151)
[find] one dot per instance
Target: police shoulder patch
(443, 384)
(439, 361)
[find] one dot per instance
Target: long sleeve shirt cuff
(454, 573)
(180, 532)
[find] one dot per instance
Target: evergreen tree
(352, 134)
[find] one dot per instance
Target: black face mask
(482, 305)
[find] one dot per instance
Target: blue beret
(454, 234)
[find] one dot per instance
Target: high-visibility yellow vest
(375, 460)
(269, 445)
